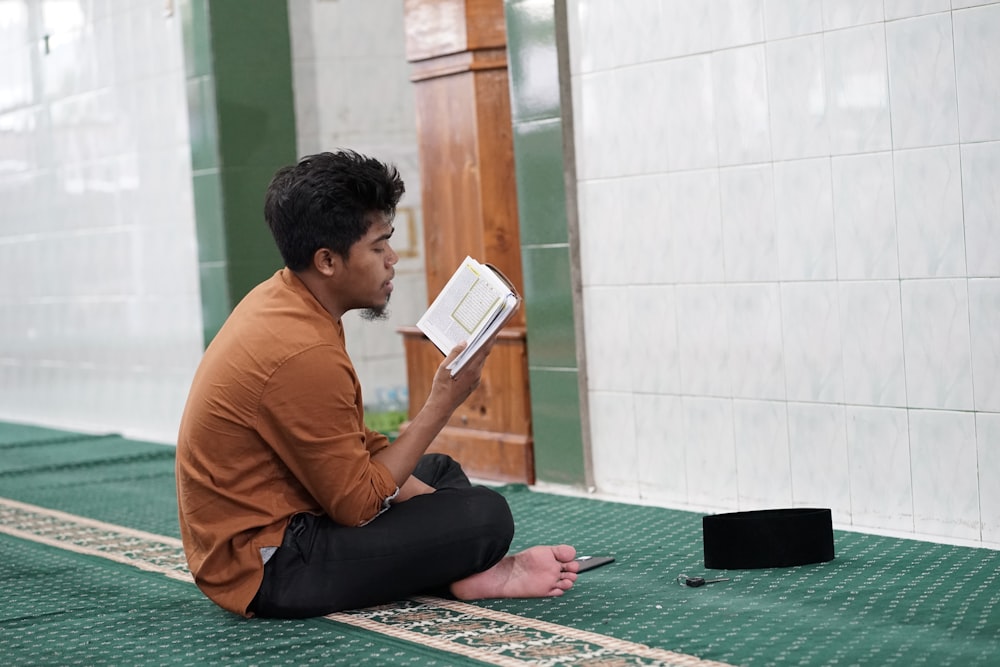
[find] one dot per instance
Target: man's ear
(327, 262)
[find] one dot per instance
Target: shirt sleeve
(375, 442)
(310, 414)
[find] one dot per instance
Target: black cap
(768, 538)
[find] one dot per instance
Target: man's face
(370, 269)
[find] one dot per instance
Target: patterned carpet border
(492, 637)
(146, 551)
(505, 639)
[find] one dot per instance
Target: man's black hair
(326, 201)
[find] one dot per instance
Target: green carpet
(882, 601)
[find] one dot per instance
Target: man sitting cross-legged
(289, 505)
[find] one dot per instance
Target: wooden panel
(485, 25)
(489, 434)
(498, 185)
(441, 27)
(466, 149)
(488, 455)
(434, 28)
(467, 174)
(500, 403)
(457, 63)
(448, 149)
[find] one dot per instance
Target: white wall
(352, 90)
(790, 239)
(100, 313)
(100, 317)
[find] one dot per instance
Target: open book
(477, 300)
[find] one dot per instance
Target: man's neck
(318, 286)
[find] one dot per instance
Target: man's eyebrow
(386, 236)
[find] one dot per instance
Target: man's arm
(411, 488)
(310, 415)
(447, 393)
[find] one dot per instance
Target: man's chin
(376, 313)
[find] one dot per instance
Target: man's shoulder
(277, 314)
(268, 327)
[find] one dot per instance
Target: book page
(466, 303)
(499, 317)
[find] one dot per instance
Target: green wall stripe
(241, 110)
(546, 251)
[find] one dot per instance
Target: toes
(564, 553)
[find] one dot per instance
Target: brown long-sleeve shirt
(273, 426)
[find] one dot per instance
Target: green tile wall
(555, 400)
(549, 308)
(546, 253)
(539, 165)
(242, 123)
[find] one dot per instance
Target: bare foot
(538, 572)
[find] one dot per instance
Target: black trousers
(419, 546)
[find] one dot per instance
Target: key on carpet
(695, 582)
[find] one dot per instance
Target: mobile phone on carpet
(590, 562)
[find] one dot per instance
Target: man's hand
(411, 488)
(450, 392)
(447, 393)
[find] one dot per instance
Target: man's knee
(436, 463)
(491, 510)
(441, 471)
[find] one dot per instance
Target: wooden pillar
(457, 49)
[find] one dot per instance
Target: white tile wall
(749, 227)
(864, 216)
(797, 98)
(936, 344)
(847, 13)
(102, 328)
(804, 211)
(821, 474)
(981, 207)
(858, 90)
(696, 223)
(878, 449)
(923, 96)
(871, 330)
(100, 316)
(606, 314)
(791, 18)
(614, 420)
(763, 464)
(988, 447)
(756, 356)
(984, 323)
(703, 340)
(788, 228)
(929, 219)
(977, 61)
(710, 451)
(813, 342)
(943, 460)
(661, 469)
(739, 78)
(654, 363)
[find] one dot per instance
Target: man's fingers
(455, 351)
